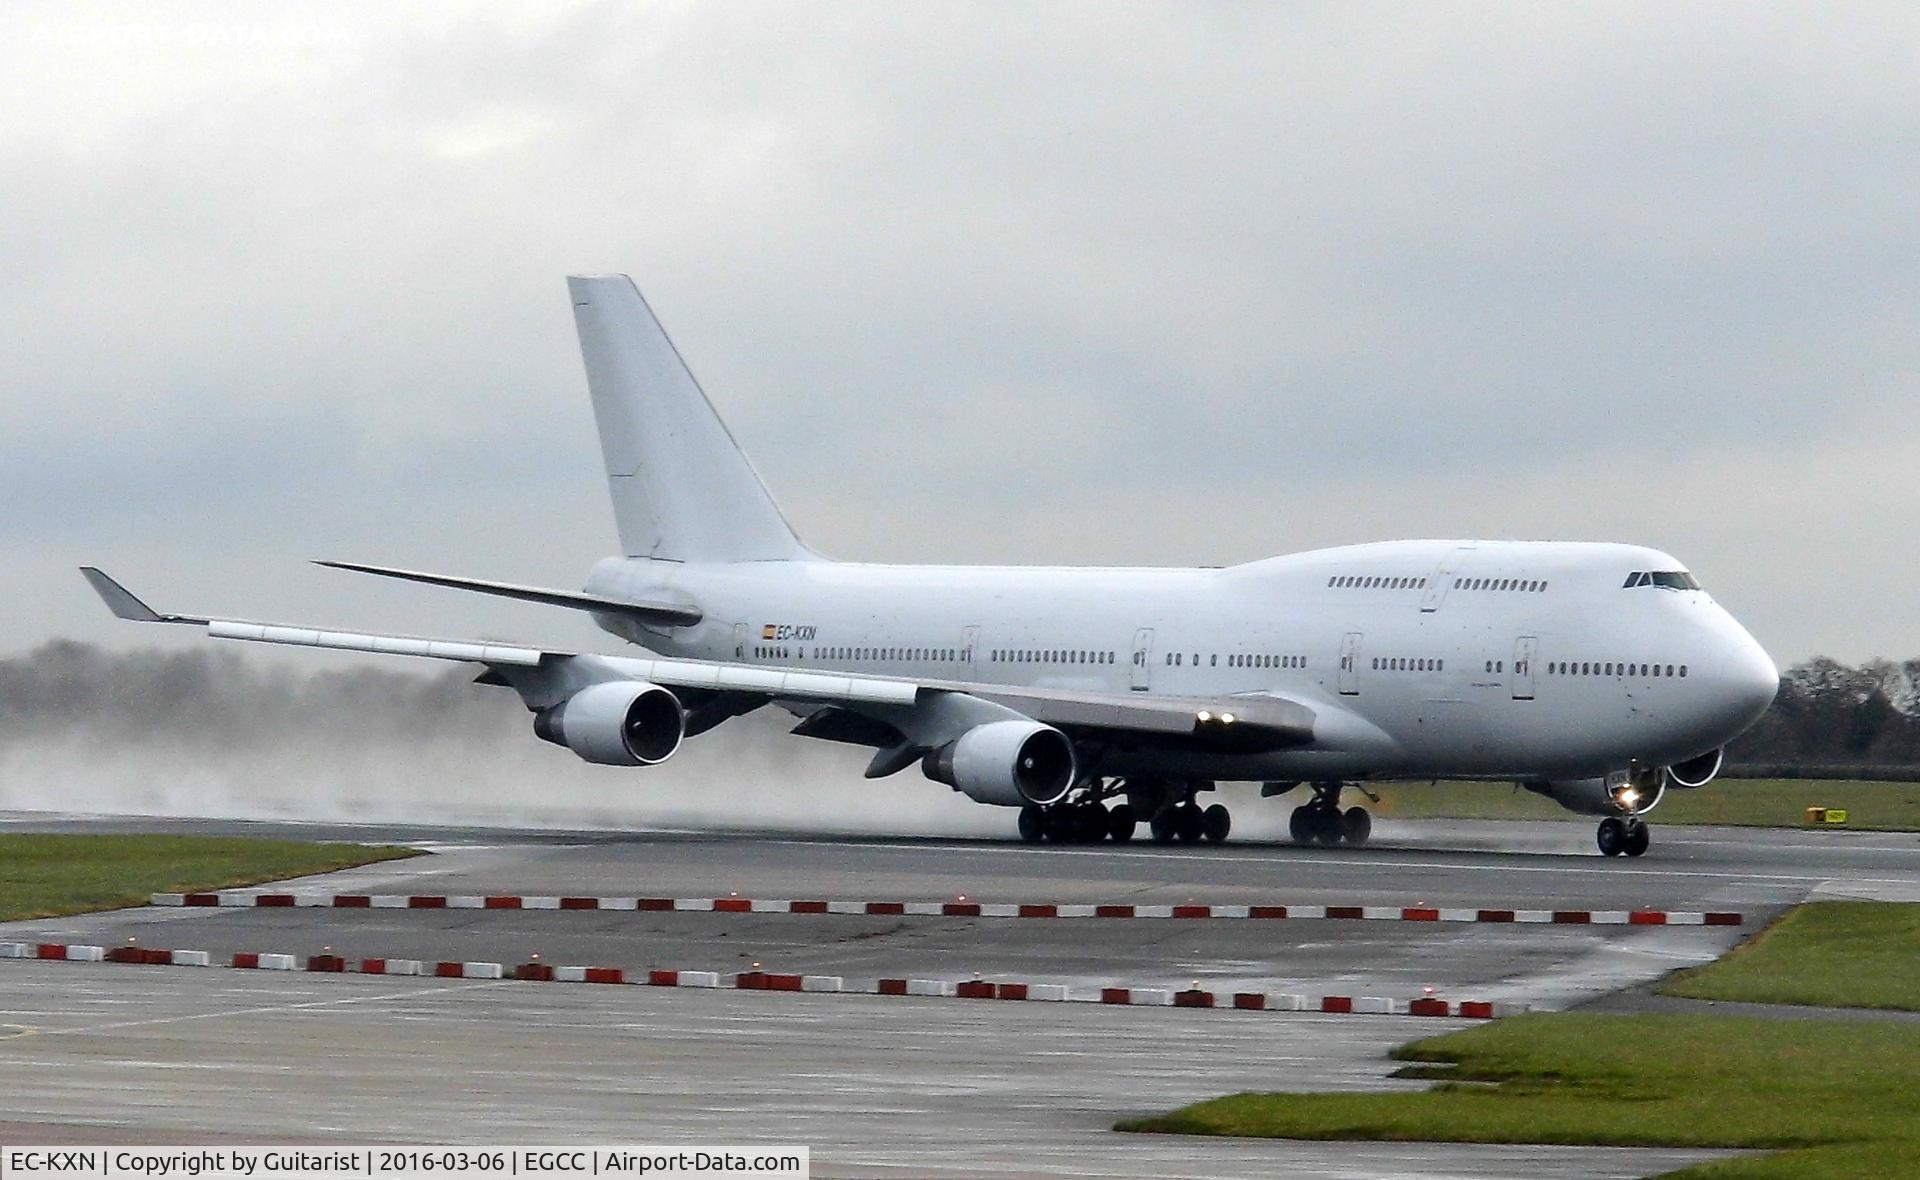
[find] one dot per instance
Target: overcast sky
(1165, 284)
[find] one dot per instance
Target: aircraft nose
(1750, 676)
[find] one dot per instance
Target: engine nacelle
(620, 723)
(1635, 794)
(1696, 772)
(1007, 763)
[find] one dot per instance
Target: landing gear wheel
(1163, 825)
(1300, 824)
(1215, 823)
(1612, 836)
(1356, 826)
(1189, 824)
(1120, 823)
(1326, 825)
(1033, 824)
(1638, 837)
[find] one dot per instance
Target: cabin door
(1350, 664)
(1523, 648)
(1143, 659)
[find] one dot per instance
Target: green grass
(45, 876)
(1846, 954)
(1833, 1099)
(1781, 803)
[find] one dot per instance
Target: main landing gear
(1623, 834)
(1085, 822)
(1320, 820)
(1087, 819)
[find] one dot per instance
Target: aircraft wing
(898, 712)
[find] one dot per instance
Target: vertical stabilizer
(682, 489)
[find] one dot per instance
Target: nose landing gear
(1320, 820)
(1626, 835)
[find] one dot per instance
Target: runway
(878, 1087)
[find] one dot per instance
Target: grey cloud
(1000, 282)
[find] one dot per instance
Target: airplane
(1091, 699)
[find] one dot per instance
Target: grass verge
(1771, 803)
(1832, 1099)
(46, 876)
(1843, 954)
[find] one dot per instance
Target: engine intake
(620, 723)
(1007, 763)
(1696, 772)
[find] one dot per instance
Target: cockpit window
(1667, 579)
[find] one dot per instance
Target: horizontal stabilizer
(660, 614)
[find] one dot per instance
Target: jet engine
(1635, 794)
(1007, 763)
(619, 723)
(1697, 771)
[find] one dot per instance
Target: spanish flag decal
(766, 632)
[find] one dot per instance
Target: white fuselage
(1419, 658)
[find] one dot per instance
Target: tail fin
(682, 489)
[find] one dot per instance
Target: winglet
(121, 601)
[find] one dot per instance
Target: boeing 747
(1089, 700)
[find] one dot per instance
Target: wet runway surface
(877, 1086)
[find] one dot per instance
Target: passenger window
(1683, 671)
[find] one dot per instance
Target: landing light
(1205, 717)
(1629, 796)
(1226, 719)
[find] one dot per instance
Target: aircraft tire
(1215, 822)
(1121, 823)
(1638, 838)
(1356, 826)
(1093, 823)
(1300, 825)
(1163, 826)
(1612, 836)
(1033, 824)
(1326, 825)
(1189, 824)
